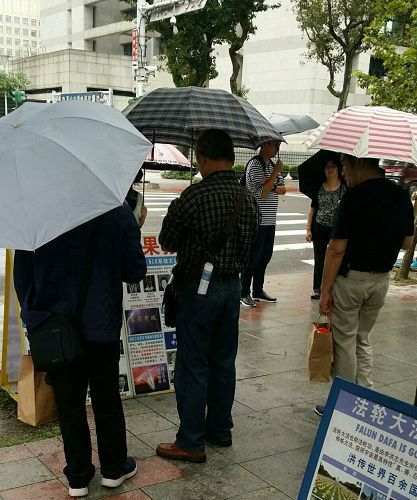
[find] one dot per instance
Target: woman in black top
(321, 217)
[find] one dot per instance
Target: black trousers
(260, 255)
(100, 370)
(321, 238)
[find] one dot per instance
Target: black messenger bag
(57, 341)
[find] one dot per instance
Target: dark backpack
(243, 178)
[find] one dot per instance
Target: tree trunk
(347, 76)
(409, 254)
(236, 68)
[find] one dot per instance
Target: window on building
(34, 33)
(34, 44)
(16, 20)
(1, 52)
(376, 67)
(1, 17)
(8, 41)
(25, 32)
(33, 22)
(26, 42)
(9, 30)
(17, 41)
(8, 19)
(1, 40)
(9, 52)
(25, 21)
(17, 31)
(1, 30)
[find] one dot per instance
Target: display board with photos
(151, 344)
(365, 448)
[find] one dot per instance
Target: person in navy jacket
(48, 281)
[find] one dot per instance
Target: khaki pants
(357, 300)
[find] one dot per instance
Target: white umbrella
(369, 132)
(62, 165)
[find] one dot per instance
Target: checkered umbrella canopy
(178, 115)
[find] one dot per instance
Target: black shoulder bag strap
(91, 251)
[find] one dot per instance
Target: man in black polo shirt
(373, 222)
(207, 325)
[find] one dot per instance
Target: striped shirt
(197, 217)
(256, 175)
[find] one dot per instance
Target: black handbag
(172, 291)
(57, 341)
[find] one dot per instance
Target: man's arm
(334, 256)
(22, 273)
(407, 242)
(269, 183)
(175, 223)
(133, 259)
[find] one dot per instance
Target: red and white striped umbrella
(369, 132)
(168, 155)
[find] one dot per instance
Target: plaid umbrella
(369, 132)
(178, 115)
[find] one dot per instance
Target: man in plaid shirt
(207, 325)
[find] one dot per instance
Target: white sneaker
(78, 492)
(130, 470)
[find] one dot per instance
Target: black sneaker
(129, 470)
(264, 297)
(319, 410)
(247, 300)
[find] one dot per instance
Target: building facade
(275, 72)
(19, 28)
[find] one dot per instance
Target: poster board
(365, 448)
(151, 344)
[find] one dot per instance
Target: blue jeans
(260, 255)
(205, 375)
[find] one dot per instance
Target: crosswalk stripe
(309, 261)
(291, 232)
(292, 246)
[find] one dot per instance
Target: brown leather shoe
(174, 452)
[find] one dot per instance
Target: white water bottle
(205, 278)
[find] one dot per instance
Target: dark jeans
(205, 376)
(321, 238)
(260, 255)
(101, 370)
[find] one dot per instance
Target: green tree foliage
(335, 30)
(189, 53)
(9, 82)
(393, 40)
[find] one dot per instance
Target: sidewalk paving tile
(48, 490)
(96, 491)
(147, 422)
(284, 471)
(56, 461)
(155, 470)
(181, 489)
(22, 473)
(45, 447)
(264, 494)
(18, 452)
(130, 495)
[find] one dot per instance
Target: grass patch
(179, 176)
(13, 431)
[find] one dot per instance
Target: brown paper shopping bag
(320, 351)
(36, 403)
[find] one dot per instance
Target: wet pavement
(273, 414)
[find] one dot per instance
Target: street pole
(158, 10)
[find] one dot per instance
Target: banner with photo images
(365, 448)
(151, 344)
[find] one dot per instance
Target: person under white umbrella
(66, 170)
